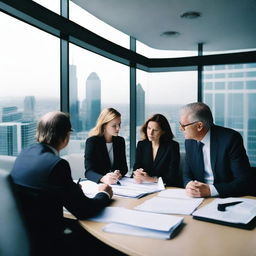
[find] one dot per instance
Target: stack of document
(131, 222)
(171, 201)
(129, 188)
(237, 212)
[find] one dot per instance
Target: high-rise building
(29, 109)
(15, 136)
(10, 114)
(140, 115)
(93, 100)
(73, 99)
(230, 91)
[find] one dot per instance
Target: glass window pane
(96, 83)
(90, 22)
(30, 82)
(53, 5)
(164, 93)
(233, 105)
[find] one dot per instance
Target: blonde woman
(105, 158)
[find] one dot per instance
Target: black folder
(249, 226)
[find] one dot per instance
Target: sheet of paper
(174, 193)
(89, 188)
(137, 231)
(147, 220)
(239, 213)
(170, 205)
(129, 188)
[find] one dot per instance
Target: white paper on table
(137, 231)
(129, 188)
(174, 193)
(170, 205)
(146, 220)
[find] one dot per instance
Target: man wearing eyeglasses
(216, 162)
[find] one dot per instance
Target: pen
(222, 207)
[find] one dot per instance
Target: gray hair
(198, 111)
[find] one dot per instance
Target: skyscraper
(10, 114)
(93, 100)
(140, 94)
(15, 136)
(230, 91)
(29, 109)
(73, 98)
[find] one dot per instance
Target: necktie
(200, 164)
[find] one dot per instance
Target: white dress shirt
(208, 175)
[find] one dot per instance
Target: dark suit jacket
(166, 163)
(44, 185)
(229, 162)
(96, 158)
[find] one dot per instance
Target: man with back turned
(44, 184)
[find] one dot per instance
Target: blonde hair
(106, 115)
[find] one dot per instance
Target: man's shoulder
(224, 131)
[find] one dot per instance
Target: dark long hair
(164, 125)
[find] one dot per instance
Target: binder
(239, 213)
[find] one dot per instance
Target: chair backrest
(13, 234)
(6, 162)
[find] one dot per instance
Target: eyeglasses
(183, 126)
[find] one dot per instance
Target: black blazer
(44, 185)
(166, 163)
(96, 158)
(229, 162)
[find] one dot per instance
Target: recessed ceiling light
(191, 15)
(170, 34)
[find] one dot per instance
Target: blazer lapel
(160, 152)
(105, 152)
(213, 151)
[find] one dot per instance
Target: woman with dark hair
(157, 154)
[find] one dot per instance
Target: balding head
(53, 128)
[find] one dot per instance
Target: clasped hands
(197, 189)
(111, 177)
(140, 175)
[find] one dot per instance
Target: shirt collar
(206, 138)
(53, 149)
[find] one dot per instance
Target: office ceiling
(223, 24)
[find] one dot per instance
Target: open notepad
(128, 188)
(131, 222)
(241, 215)
(171, 201)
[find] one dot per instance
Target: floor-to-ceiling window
(96, 83)
(163, 92)
(230, 91)
(29, 78)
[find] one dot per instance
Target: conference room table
(195, 238)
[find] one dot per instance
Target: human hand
(198, 189)
(110, 178)
(106, 188)
(118, 174)
(140, 175)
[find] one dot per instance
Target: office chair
(13, 234)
